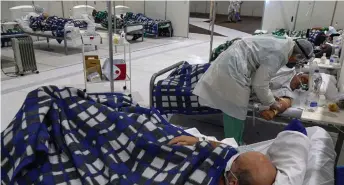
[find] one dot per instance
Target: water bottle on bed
(314, 92)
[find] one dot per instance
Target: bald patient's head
(253, 168)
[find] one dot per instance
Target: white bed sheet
(134, 28)
(321, 158)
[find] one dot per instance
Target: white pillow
(289, 154)
(329, 86)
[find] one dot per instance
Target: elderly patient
(249, 168)
(254, 168)
(283, 85)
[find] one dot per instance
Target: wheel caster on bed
(84, 90)
(37, 72)
(124, 87)
(129, 95)
(21, 74)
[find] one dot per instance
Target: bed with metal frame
(253, 111)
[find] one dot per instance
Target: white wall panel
(18, 3)
(118, 3)
(304, 15)
(339, 16)
(258, 10)
(5, 12)
(278, 14)
(322, 13)
(51, 7)
(98, 5)
(222, 7)
(67, 7)
(135, 6)
(207, 6)
(193, 5)
(252, 8)
(199, 6)
(248, 8)
(178, 13)
(155, 9)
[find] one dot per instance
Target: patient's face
(295, 83)
(260, 168)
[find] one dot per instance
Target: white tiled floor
(148, 57)
(230, 33)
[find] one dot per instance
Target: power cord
(7, 73)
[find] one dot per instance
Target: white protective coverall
(250, 61)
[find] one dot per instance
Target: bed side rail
(156, 75)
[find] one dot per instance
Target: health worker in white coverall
(249, 62)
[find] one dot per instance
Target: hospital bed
(321, 158)
(170, 100)
(84, 12)
(73, 34)
(93, 120)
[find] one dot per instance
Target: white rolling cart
(105, 84)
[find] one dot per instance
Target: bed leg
(48, 42)
(339, 144)
(65, 45)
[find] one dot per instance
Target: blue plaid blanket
(151, 26)
(54, 24)
(65, 136)
(174, 94)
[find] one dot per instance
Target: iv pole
(110, 45)
(212, 27)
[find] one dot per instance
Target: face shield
(305, 51)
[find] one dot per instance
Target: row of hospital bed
(136, 24)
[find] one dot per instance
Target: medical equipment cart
(91, 41)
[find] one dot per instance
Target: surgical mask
(241, 150)
(244, 148)
(230, 162)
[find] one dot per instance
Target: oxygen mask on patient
(302, 86)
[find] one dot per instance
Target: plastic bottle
(312, 102)
(317, 81)
(333, 59)
(314, 92)
(313, 66)
(323, 59)
(122, 37)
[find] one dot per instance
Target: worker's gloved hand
(184, 140)
(277, 106)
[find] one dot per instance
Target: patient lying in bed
(283, 86)
(247, 168)
(250, 167)
(287, 88)
(62, 135)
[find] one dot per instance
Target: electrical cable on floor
(7, 73)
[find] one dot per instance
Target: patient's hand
(285, 103)
(184, 140)
(268, 114)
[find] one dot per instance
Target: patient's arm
(189, 141)
(271, 113)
